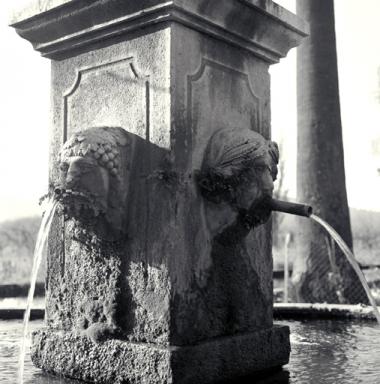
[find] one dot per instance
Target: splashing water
(43, 232)
(351, 258)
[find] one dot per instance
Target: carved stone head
(239, 167)
(92, 176)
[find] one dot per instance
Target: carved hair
(100, 143)
(230, 153)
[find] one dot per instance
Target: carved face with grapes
(90, 168)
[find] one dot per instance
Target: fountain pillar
(150, 293)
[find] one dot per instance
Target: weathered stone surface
(166, 264)
(236, 174)
(117, 91)
(217, 87)
(117, 361)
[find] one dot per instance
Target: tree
(320, 164)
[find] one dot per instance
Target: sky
(24, 121)
(25, 104)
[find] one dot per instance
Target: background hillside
(365, 229)
(17, 240)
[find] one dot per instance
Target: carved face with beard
(91, 178)
(238, 171)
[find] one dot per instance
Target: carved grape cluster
(106, 155)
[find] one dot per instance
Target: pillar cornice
(61, 29)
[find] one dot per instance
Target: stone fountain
(159, 261)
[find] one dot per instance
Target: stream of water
(38, 252)
(351, 259)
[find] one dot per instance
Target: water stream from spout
(351, 259)
(38, 252)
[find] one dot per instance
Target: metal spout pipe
(292, 208)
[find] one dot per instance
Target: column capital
(62, 28)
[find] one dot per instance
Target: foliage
(17, 241)
(366, 233)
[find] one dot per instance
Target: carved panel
(218, 97)
(111, 94)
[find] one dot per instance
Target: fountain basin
(323, 351)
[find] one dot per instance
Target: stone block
(117, 361)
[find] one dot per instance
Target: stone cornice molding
(61, 28)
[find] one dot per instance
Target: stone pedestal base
(117, 361)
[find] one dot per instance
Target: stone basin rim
(280, 311)
(323, 311)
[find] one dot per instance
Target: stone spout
(291, 208)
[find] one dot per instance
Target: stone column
(162, 303)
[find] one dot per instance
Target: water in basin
(323, 351)
(334, 351)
